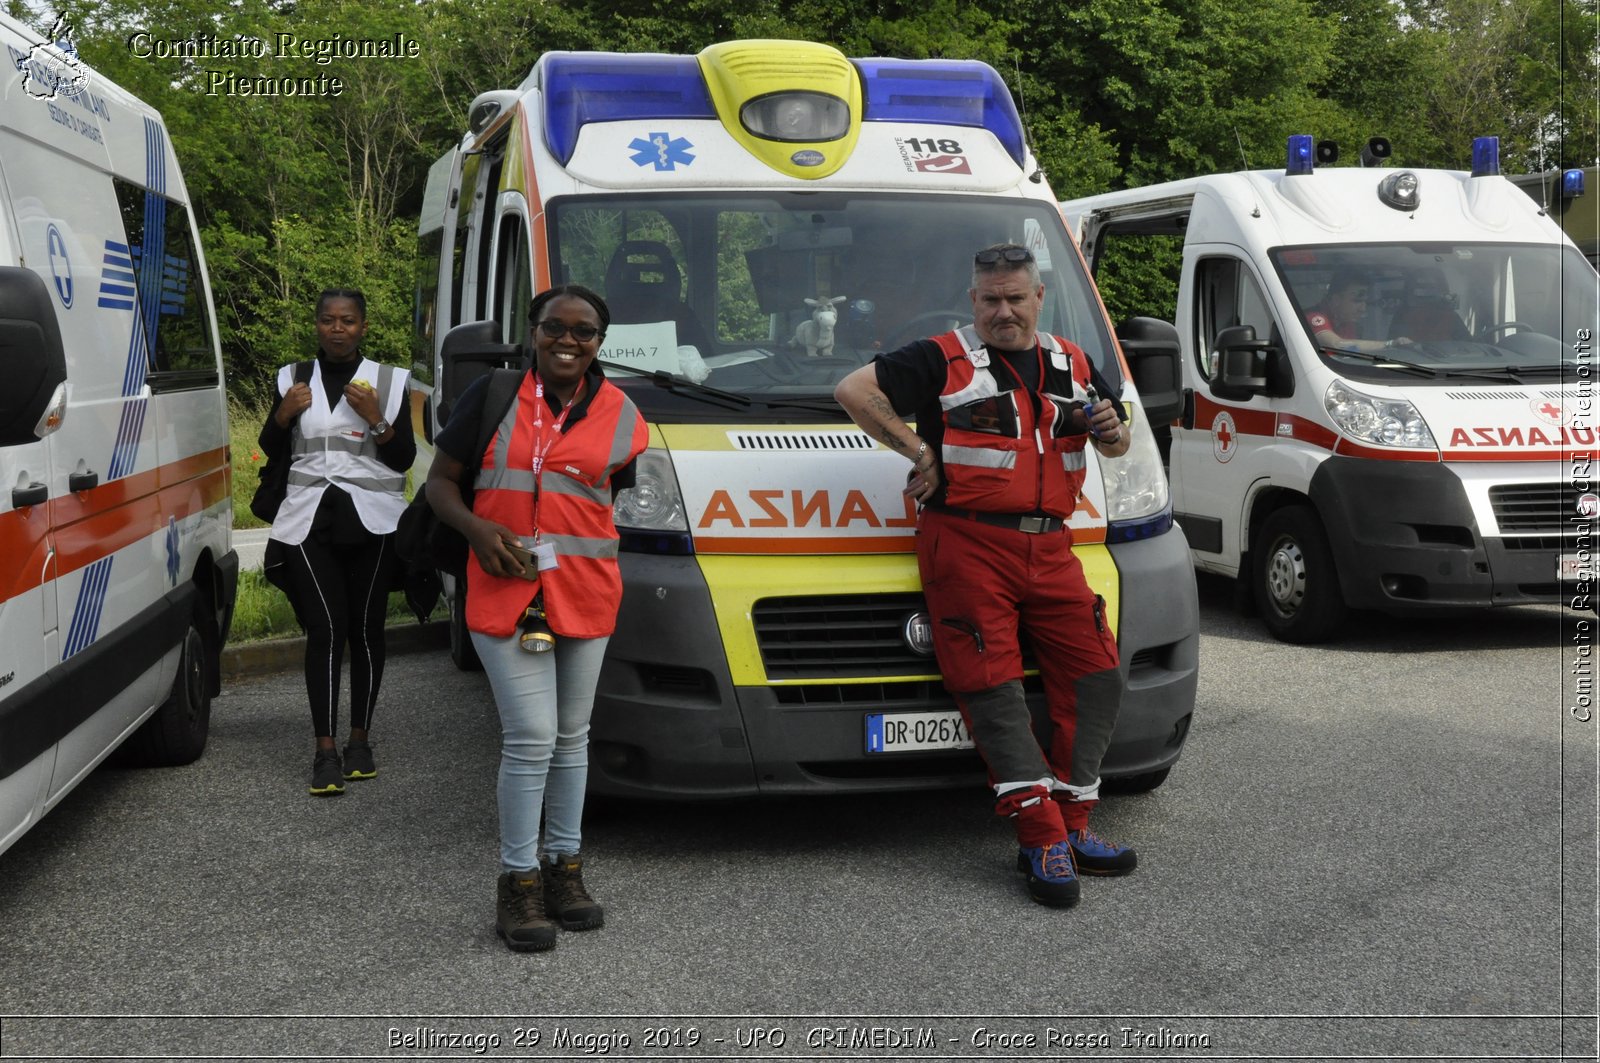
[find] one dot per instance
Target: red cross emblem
(1222, 436)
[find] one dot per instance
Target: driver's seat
(1428, 314)
(643, 285)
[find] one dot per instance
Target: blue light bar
(584, 87)
(1485, 156)
(943, 91)
(1302, 155)
(1572, 184)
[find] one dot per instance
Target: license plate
(1570, 568)
(906, 732)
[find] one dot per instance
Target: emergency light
(1302, 158)
(777, 92)
(961, 92)
(1572, 184)
(1485, 156)
(584, 87)
(1402, 191)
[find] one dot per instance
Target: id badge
(544, 554)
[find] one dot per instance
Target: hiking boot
(327, 777)
(1052, 880)
(358, 762)
(1096, 856)
(519, 912)
(564, 896)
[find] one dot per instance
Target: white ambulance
(1433, 450)
(116, 571)
(763, 218)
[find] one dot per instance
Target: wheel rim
(1286, 576)
(194, 677)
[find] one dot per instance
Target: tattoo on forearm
(886, 421)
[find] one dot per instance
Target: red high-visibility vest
(567, 503)
(997, 458)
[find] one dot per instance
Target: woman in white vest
(350, 436)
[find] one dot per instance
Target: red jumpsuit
(996, 558)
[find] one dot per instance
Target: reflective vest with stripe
(334, 447)
(568, 504)
(997, 456)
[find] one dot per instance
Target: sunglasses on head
(996, 254)
(556, 329)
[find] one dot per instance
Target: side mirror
(31, 351)
(1250, 366)
(468, 352)
(1152, 349)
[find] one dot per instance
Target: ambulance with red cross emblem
(1389, 382)
(762, 218)
(117, 572)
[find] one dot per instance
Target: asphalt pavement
(1373, 850)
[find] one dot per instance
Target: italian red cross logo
(1223, 435)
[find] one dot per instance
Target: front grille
(1536, 509)
(838, 636)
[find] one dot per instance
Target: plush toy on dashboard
(816, 334)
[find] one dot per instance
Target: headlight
(1386, 422)
(1136, 484)
(654, 502)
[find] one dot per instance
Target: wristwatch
(380, 427)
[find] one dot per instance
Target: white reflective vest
(333, 447)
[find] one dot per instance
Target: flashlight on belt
(534, 634)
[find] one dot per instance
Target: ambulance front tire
(176, 732)
(1296, 585)
(462, 652)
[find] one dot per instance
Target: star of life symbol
(174, 551)
(664, 150)
(53, 69)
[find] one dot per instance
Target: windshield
(772, 299)
(1444, 311)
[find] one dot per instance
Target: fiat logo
(918, 633)
(1588, 505)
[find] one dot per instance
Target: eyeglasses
(556, 329)
(1009, 254)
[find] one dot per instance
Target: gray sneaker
(327, 776)
(358, 762)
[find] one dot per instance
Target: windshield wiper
(1385, 359)
(679, 385)
(682, 385)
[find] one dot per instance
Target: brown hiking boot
(564, 896)
(519, 913)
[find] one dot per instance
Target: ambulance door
(29, 635)
(513, 269)
(1217, 447)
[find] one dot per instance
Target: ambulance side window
(171, 307)
(1226, 294)
(513, 279)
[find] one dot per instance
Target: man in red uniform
(998, 465)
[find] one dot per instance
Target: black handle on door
(32, 495)
(83, 481)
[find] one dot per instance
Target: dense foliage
(297, 193)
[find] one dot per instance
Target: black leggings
(343, 595)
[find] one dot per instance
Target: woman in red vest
(543, 588)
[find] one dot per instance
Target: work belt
(1033, 525)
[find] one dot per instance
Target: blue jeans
(544, 701)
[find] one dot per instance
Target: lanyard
(543, 441)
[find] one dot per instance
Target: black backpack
(274, 485)
(424, 541)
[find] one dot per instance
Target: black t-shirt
(913, 376)
(458, 438)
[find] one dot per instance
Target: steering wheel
(911, 328)
(1490, 331)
